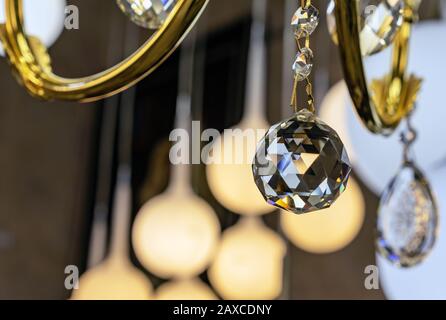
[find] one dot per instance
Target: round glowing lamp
(333, 110)
(329, 230)
(113, 281)
(43, 19)
(230, 173)
(194, 289)
(175, 235)
(249, 264)
(116, 278)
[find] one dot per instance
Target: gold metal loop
(382, 105)
(32, 64)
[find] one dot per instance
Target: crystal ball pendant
(149, 14)
(301, 164)
(407, 219)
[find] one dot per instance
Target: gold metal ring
(386, 101)
(31, 62)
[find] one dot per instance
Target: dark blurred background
(50, 159)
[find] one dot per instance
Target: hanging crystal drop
(301, 164)
(380, 22)
(305, 21)
(149, 14)
(303, 64)
(407, 219)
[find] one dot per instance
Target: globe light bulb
(230, 174)
(175, 235)
(331, 229)
(330, 112)
(194, 289)
(43, 19)
(113, 281)
(249, 264)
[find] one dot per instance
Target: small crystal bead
(303, 64)
(305, 21)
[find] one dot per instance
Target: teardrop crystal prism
(407, 219)
(380, 22)
(149, 14)
(301, 164)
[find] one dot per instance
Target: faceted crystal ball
(301, 164)
(305, 21)
(303, 64)
(149, 14)
(407, 219)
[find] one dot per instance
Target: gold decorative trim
(382, 105)
(32, 64)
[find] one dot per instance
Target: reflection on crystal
(407, 219)
(301, 164)
(303, 64)
(380, 22)
(305, 21)
(331, 22)
(149, 14)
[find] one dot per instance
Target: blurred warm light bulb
(43, 19)
(113, 280)
(230, 177)
(116, 278)
(333, 111)
(175, 235)
(331, 229)
(249, 264)
(194, 289)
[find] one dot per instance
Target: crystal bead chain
(301, 164)
(303, 64)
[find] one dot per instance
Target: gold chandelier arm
(29, 58)
(385, 102)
